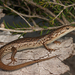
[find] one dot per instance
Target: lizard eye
(67, 28)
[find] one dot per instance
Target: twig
(34, 23)
(31, 30)
(54, 0)
(63, 10)
(58, 14)
(65, 20)
(21, 7)
(71, 14)
(32, 16)
(55, 3)
(46, 28)
(37, 16)
(18, 2)
(45, 9)
(27, 7)
(70, 5)
(61, 5)
(18, 14)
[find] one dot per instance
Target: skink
(25, 43)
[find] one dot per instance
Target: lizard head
(67, 29)
(62, 31)
(70, 27)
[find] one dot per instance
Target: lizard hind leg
(14, 51)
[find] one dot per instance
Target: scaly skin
(25, 43)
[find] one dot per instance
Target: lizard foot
(57, 42)
(50, 50)
(12, 60)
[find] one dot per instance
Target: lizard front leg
(14, 51)
(49, 49)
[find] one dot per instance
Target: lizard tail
(11, 68)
